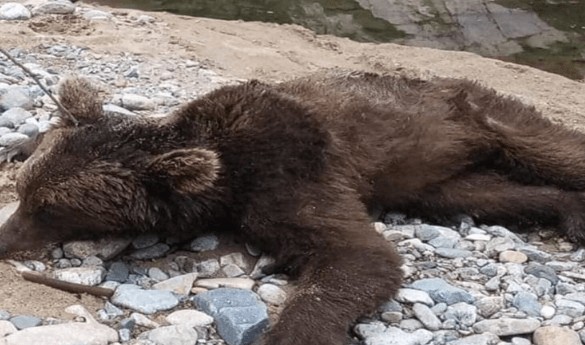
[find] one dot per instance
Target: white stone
(237, 259)
(90, 275)
(215, 283)
(180, 284)
(143, 320)
(172, 335)
(54, 7)
(414, 296)
(14, 11)
(478, 237)
(97, 15)
(547, 312)
(190, 318)
(6, 328)
(272, 294)
(137, 102)
(10, 139)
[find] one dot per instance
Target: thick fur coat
(295, 167)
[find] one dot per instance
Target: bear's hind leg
(494, 198)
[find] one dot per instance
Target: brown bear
(294, 167)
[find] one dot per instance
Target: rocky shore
(466, 283)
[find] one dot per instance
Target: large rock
(240, 316)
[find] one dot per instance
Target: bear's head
(107, 175)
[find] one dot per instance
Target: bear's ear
(81, 99)
(189, 171)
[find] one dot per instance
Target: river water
(547, 34)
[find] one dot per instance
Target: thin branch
(66, 286)
(62, 109)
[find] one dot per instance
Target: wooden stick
(62, 109)
(66, 286)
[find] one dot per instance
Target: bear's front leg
(346, 269)
(334, 290)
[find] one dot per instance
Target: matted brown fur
(294, 167)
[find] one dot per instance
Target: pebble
(498, 245)
(380, 335)
(271, 294)
(547, 311)
(441, 291)
(204, 243)
(6, 328)
(406, 295)
(452, 253)
(463, 314)
(507, 326)
(232, 271)
(16, 98)
(535, 254)
(145, 241)
(215, 283)
(542, 271)
(157, 274)
(14, 117)
(143, 320)
(426, 316)
(118, 272)
(105, 249)
(236, 259)
(180, 285)
(156, 251)
(28, 129)
(172, 335)
(513, 256)
(207, 268)
(54, 7)
(13, 138)
(81, 275)
(136, 102)
(190, 318)
(527, 302)
(25, 321)
(144, 301)
(553, 335)
(97, 15)
(240, 316)
(14, 11)
(478, 339)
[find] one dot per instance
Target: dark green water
(347, 18)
